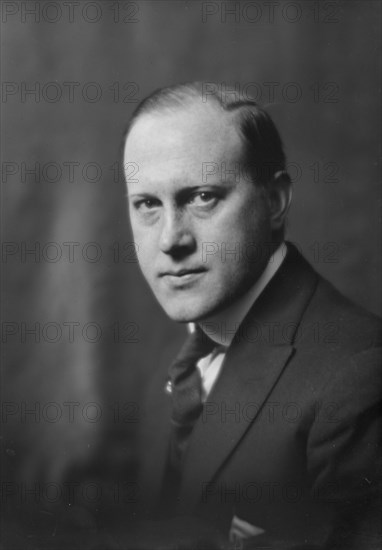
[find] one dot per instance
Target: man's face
(201, 231)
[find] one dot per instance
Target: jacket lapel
(252, 367)
(243, 386)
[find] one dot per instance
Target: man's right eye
(144, 205)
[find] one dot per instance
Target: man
(267, 426)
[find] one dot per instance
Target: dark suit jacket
(289, 436)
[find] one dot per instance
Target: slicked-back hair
(263, 153)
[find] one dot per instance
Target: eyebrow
(217, 185)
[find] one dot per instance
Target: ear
(279, 196)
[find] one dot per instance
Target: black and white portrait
(191, 234)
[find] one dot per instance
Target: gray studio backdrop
(80, 330)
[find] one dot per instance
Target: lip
(182, 278)
(182, 272)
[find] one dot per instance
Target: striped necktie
(185, 388)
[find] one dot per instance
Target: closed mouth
(182, 272)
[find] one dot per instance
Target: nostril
(176, 241)
(179, 250)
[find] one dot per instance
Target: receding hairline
(192, 105)
(262, 147)
(228, 118)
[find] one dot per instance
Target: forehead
(178, 143)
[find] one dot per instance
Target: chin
(182, 316)
(187, 313)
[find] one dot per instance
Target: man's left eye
(204, 198)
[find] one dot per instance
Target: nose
(176, 236)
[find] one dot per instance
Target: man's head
(208, 200)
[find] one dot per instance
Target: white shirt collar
(234, 315)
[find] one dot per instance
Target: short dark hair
(263, 153)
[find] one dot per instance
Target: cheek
(145, 256)
(145, 252)
(248, 226)
(143, 239)
(256, 221)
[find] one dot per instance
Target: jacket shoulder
(353, 327)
